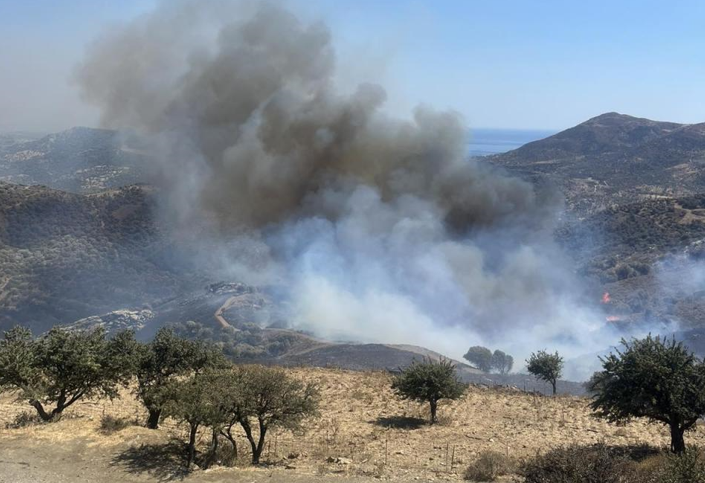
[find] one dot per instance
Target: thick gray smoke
(381, 228)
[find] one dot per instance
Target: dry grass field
(363, 432)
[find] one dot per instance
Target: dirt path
(85, 460)
(219, 313)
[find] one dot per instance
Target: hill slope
(65, 256)
(615, 159)
(80, 160)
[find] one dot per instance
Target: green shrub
(689, 467)
(490, 465)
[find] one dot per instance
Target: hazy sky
(514, 64)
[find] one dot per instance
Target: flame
(606, 298)
(614, 318)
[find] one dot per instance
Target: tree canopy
(429, 381)
(63, 366)
(654, 379)
(165, 357)
(545, 366)
(502, 362)
(480, 357)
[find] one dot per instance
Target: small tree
(164, 358)
(545, 366)
(653, 379)
(268, 398)
(429, 381)
(480, 357)
(195, 401)
(62, 366)
(502, 362)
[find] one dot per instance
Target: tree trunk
(434, 407)
(229, 436)
(248, 433)
(153, 418)
(213, 450)
(677, 441)
(260, 443)
(191, 445)
(40, 410)
(553, 385)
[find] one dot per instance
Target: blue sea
(494, 141)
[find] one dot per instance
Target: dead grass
(364, 429)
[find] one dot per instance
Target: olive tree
(502, 362)
(480, 357)
(429, 381)
(268, 398)
(63, 366)
(196, 402)
(654, 379)
(165, 357)
(545, 366)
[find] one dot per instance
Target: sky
(540, 64)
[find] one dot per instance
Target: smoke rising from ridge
(381, 228)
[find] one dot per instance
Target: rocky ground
(363, 433)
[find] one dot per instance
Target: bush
(580, 464)
(111, 424)
(688, 467)
(24, 419)
(490, 465)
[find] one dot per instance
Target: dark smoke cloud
(382, 227)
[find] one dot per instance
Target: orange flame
(614, 318)
(606, 298)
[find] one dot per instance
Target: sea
(484, 142)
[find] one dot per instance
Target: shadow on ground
(400, 422)
(164, 461)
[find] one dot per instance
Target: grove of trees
(60, 367)
(192, 382)
(488, 361)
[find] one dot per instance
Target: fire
(606, 298)
(614, 318)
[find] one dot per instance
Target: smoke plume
(381, 228)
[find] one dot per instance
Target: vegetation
(490, 465)
(654, 379)
(271, 398)
(61, 366)
(64, 256)
(487, 361)
(168, 356)
(604, 464)
(110, 424)
(480, 357)
(502, 362)
(429, 382)
(579, 464)
(255, 397)
(546, 367)
(194, 401)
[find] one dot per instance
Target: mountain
(79, 160)
(66, 256)
(615, 159)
